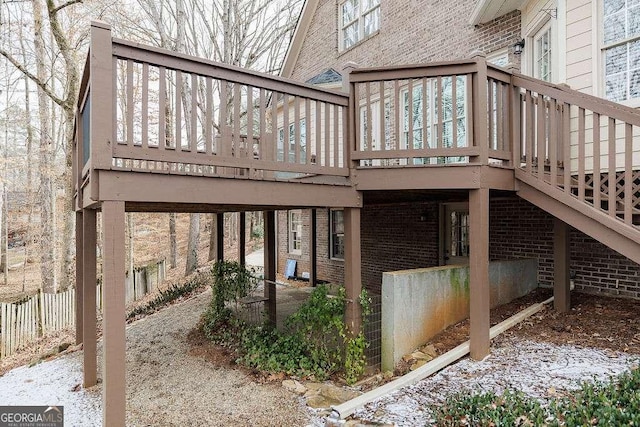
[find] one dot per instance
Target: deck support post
(242, 238)
(89, 315)
(219, 237)
(79, 279)
(479, 302)
(561, 262)
(352, 269)
(270, 265)
(114, 390)
(313, 234)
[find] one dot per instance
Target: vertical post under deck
(89, 316)
(114, 391)
(242, 238)
(270, 265)
(352, 269)
(561, 261)
(79, 278)
(479, 304)
(219, 237)
(313, 268)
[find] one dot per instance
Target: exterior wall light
(518, 47)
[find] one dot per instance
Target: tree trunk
(192, 251)
(173, 248)
(45, 156)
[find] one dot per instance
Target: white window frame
(499, 57)
(529, 61)
(603, 47)
(332, 254)
(358, 21)
(537, 54)
(292, 141)
(432, 119)
(294, 232)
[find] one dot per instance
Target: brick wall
(519, 229)
(417, 31)
(405, 236)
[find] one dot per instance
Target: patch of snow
(538, 369)
(50, 384)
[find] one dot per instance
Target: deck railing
(152, 110)
(586, 147)
(159, 111)
(431, 114)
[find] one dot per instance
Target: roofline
(493, 7)
(300, 33)
(478, 11)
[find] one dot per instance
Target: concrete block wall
(418, 304)
(519, 229)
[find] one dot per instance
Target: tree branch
(33, 78)
(62, 6)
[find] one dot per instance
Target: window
(499, 58)
(358, 20)
(336, 233)
(295, 232)
(376, 137)
(542, 53)
(621, 49)
(424, 106)
(292, 142)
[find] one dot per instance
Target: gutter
(345, 409)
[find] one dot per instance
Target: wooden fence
(44, 313)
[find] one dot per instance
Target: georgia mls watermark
(31, 416)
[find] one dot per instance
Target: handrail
(563, 93)
(124, 49)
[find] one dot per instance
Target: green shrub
(613, 403)
(315, 342)
(231, 282)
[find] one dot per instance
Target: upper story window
(426, 102)
(542, 55)
(292, 142)
(358, 20)
(621, 49)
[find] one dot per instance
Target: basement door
(456, 234)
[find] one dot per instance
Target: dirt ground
(594, 321)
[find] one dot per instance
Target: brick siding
(405, 236)
(410, 32)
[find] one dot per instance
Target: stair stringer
(612, 232)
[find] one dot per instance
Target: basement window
(295, 232)
(336, 233)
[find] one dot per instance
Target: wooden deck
(162, 131)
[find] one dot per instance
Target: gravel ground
(538, 369)
(166, 385)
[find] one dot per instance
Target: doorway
(455, 249)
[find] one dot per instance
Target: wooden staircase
(563, 125)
